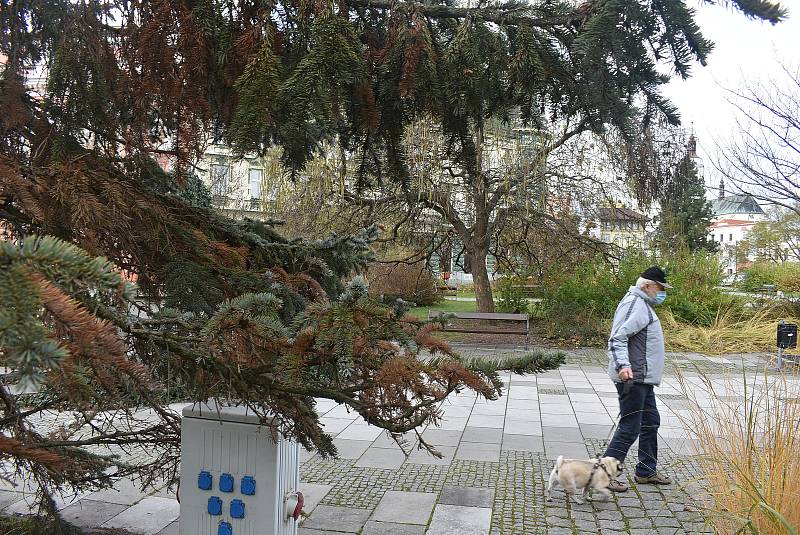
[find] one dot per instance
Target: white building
(238, 185)
(734, 217)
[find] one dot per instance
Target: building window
(256, 179)
(220, 176)
(730, 237)
(721, 238)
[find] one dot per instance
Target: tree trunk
(480, 278)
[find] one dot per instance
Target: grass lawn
(445, 306)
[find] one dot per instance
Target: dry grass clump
(729, 333)
(750, 450)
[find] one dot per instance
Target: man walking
(636, 364)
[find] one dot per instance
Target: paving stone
(147, 517)
(615, 525)
(522, 443)
(467, 496)
(482, 420)
(596, 418)
(423, 457)
(522, 427)
(474, 451)
(559, 420)
(560, 531)
(545, 380)
(28, 504)
(381, 458)
(350, 449)
(550, 409)
(586, 524)
(494, 408)
(308, 531)
(172, 529)
(523, 392)
(561, 434)
(668, 531)
(305, 455)
(313, 493)
(665, 522)
(570, 450)
(89, 513)
(580, 389)
(525, 415)
(391, 528)
(342, 411)
(8, 497)
(639, 522)
(456, 519)
(386, 441)
(360, 431)
(334, 426)
(125, 492)
(453, 423)
(405, 507)
(442, 437)
(345, 519)
(16, 483)
(485, 435)
(596, 431)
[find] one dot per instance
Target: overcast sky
(744, 50)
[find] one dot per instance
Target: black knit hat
(656, 274)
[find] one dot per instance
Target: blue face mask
(661, 297)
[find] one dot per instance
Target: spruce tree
(233, 309)
(685, 212)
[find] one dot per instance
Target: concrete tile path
(496, 457)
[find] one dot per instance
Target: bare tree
(764, 159)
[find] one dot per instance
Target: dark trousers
(639, 418)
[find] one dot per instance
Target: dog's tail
(559, 462)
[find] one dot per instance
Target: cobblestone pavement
(496, 458)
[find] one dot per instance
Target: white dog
(587, 476)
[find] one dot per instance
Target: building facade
(621, 226)
(238, 185)
(734, 217)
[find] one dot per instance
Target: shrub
(785, 277)
(747, 434)
(511, 297)
(410, 282)
(584, 301)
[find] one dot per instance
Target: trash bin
(787, 335)
(235, 479)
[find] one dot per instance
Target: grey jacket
(636, 339)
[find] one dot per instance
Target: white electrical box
(235, 479)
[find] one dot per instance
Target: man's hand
(625, 374)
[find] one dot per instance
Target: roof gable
(736, 204)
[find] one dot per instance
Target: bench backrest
(481, 315)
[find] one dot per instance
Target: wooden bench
(485, 316)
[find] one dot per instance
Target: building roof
(732, 223)
(736, 204)
(620, 214)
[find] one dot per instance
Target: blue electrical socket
(237, 509)
(226, 483)
(214, 506)
(248, 485)
(205, 480)
(224, 529)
